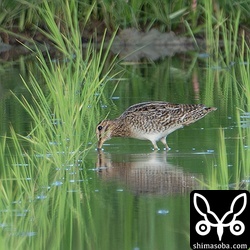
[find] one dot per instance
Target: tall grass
(221, 174)
(179, 16)
(231, 169)
(63, 105)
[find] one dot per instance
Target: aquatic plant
(199, 17)
(63, 105)
(231, 169)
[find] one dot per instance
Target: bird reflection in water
(146, 173)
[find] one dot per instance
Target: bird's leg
(164, 141)
(155, 145)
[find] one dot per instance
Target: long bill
(100, 143)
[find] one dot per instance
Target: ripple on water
(119, 190)
(209, 151)
(3, 225)
(27, 234)
(41, 197)
(20, 165)
(115, 97)
(74, 181)
(57, 183)
(163, 212)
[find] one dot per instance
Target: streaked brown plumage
(152, 121)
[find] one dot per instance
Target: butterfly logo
(203, 227)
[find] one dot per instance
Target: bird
(152, 120)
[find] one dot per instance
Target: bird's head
(104, 132)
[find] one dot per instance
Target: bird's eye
(99, 128)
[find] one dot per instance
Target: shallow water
(138, 198)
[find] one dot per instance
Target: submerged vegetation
(64, 107)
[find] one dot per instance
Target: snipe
(152, 121)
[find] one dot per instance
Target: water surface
(138, 198)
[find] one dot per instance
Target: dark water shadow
(146, 173)
(132, 45)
